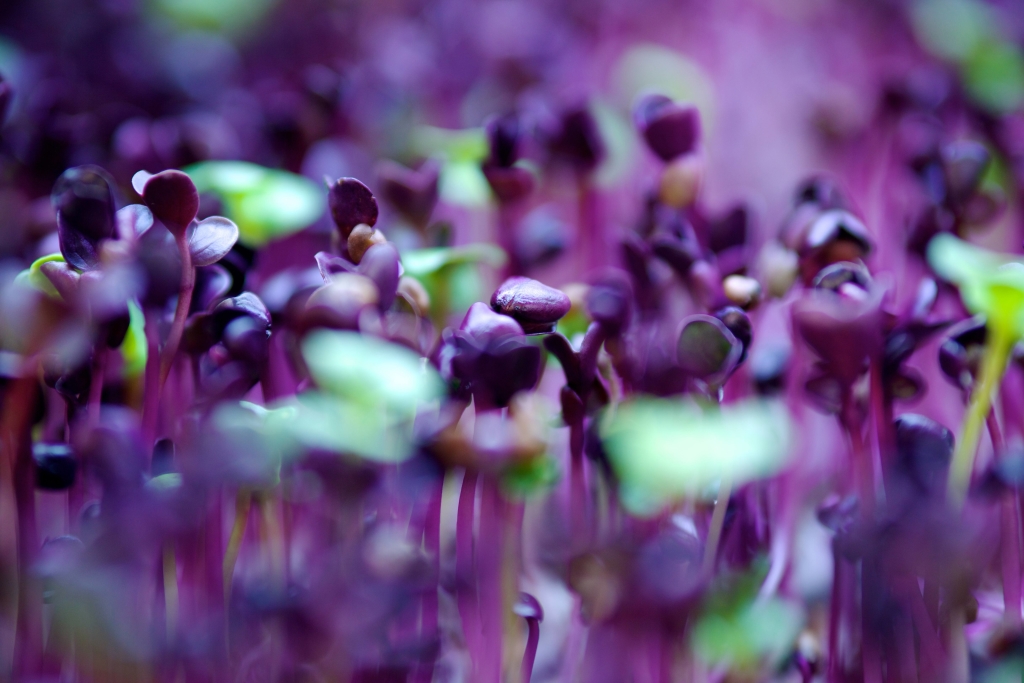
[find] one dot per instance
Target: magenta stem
(188, 282)
(28, 649)
(151, 392)
(507, 239)
(464, 565)
(530, 653)
(490, 549)
(835, 615)
(591, 228)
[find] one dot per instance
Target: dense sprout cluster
(492, 342)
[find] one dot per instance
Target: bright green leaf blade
(33, 275)
(265, 203)
(134, 349)
(423, 262)
(370, 371)
(759, 631)
(664, 450)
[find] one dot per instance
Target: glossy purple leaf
(413, 192)
(843, 332)
(132, 221)
(670, 130)
(483, 324)
(211, 240)
(84, 201)
(533, 304)
(381, 264)
(173, 199)
(706, 349)
(351, 204)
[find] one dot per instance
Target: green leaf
(369, 371)
(990, 283)
(463, 183)
(994, 76)
(526, 477)
(748, 635)
(33, 275)
(228, 16)
(134, 349)
(265, 203)
(664, 450)
(424, 262)
(951, 29)
(467, 145)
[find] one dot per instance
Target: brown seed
(361, 239)
(681, 181)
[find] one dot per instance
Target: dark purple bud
(493, 371)
(843, 332)
(413, 192)
(84, 201)
(173, 199)
(822, 191)
(609, 301)
(578, 141)
(381, 264)
(503, 134)
(680, 255)
(510, 184)
(534, 305)
(964, 163)
(540, 239)
(739, 324)
(484, 325)
(351, 204)
(246, 339)
(55, 466)
(924, 450)
(729, 231)
(670, 130)
(961, 353)
(706, 349)
(211, 240)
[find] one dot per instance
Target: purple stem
(464, 569)
(188, 282)
(489, 567)
(432, 546)
(507, 239)
(18, 441)
(835, 615)
(151, 392)
(530, 653)
(1010, 561)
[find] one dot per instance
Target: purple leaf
(351, 204)
(173, 199)
(211, 240)
(84, 202)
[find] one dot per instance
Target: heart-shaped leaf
(133, 220)
(211, 240)
(173, 199)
